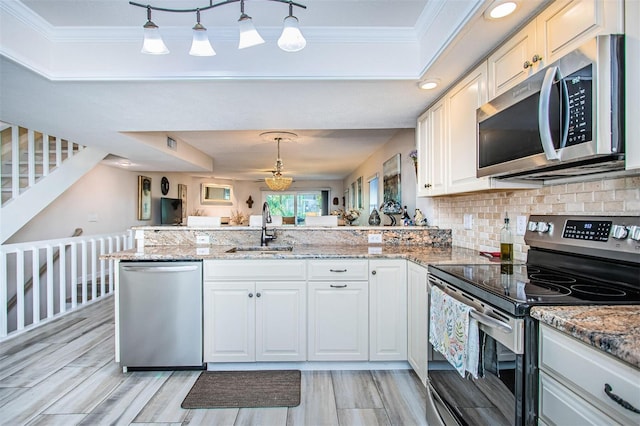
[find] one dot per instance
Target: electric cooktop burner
(531, 285)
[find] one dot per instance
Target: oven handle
(475, 314)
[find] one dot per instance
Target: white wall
(402, 143)
(110, 195)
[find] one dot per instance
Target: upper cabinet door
(464, 100)
(513, 62)
(431, 142)
(565, 25)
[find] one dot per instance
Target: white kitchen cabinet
(338, 310)
(572, 381)
(447, 141)
(247, 318)
(418, 320)
(556, 31)
(388, 310)
(431, 146)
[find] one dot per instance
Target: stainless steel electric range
(572, 260)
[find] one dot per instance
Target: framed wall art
(144, 198)
(391, 179)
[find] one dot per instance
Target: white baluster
(15, 161)
(31, 157)
(73, 270)
(62, 276)
(4, 326)
(19, 289)
(35, 288)
(83, 275)
(50, 293)
(102, 269)
(94, 272)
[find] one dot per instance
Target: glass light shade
(291, 39)
(153, 44)
(278, 182)
(200, 45)
(248, 34)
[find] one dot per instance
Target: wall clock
(164, 185)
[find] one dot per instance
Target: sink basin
(260, 249)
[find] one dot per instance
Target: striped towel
(453, 332)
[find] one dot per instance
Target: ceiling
(74, 69)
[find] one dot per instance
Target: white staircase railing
(35, 168)
(78, 277)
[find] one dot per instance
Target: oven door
(497, 397)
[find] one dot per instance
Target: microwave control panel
(579, 96)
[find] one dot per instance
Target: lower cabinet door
(418, 315)
(338, 321)
(229, 321)
(281, 332)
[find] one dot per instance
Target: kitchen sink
(260, 249)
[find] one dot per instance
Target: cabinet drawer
(338, 270)
(585, 370)
(260, 270)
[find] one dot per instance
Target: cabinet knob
(527, 64)
(536, 58)
(427, 185)
(250, 294)
(373, 272)
(258, 294)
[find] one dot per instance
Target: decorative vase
(374, 218)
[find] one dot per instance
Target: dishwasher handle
(183, 268)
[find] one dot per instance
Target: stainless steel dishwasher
(160, 314)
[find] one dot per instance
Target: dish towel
(453, 332)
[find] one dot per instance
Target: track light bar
(291, 39)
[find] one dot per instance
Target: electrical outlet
(521, 225)
(375, 238)
(202, 239)
(468, 221)
(93, 217)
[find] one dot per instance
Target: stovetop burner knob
(533, 226)
(634, 233)
(543, 227)
(619, 232)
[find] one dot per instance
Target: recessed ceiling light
(429, 84)
(500, 9)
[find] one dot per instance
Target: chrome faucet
(266, 218)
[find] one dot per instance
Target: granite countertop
(422, 255)
(612, 329)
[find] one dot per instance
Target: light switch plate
(468, 221)
(202, 239)
(521, 225)
(375, 238)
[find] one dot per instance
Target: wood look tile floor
(64, 373)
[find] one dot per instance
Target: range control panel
(611, 237)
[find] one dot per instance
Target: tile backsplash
(614, 197)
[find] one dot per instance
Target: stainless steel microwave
(565, 120)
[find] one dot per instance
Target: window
(373, 193)
(295, 206)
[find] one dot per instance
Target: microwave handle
(567, 113)
(543, 114)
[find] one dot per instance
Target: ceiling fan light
(291, 39)
(200, 45)
(153, 44)
(248, 34)
(278, 183)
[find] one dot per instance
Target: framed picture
(391, 179)
(144, 198)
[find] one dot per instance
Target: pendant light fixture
(278, 182)
(249, 36)
(152, 44)
(291, 39)
(200, 45)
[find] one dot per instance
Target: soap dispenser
(506, 241)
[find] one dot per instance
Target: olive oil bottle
(506, 241)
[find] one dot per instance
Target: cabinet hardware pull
(427, 185)
(258, 294)
(337, 270)
(620, 401)
(527, 64)
(373, 272)
(337, 286)
(250, 294)
(536, 58)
